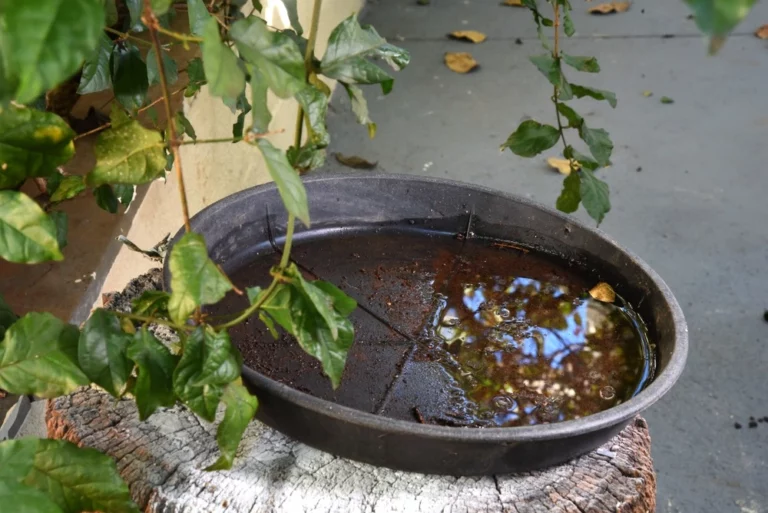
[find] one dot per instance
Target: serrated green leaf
(38, 356)
(7, 317)
(70, 187)
(221, 66)
(105, 198)
(153, 72)
(570, 197)
(154, 373)
(260, 110)
(42, 43)
(581, 63)
(360, 107)
(152, 303)
(198, 16)
(531, 138)
(61, 221)
(241, 407)
(315, 105)
(97, 75)
(128, 154)
(306, 158)
(597, 94)
(293, 15)
(21, 498)
(32, 144)
(568, 27)
(599, 143)
(184, 126)
(594, 195)
(550, 68)
(124, 193)
(717, 18)
(195, 279)
(160, 7)
(27, 235)
(129, 75)
(102, 352)
(76, 479)
(273, 53)
(288, 182)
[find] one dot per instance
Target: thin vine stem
(185, 38)
(251, 309)
(125, 35)
(308, 55)
(556, 94)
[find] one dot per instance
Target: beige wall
(213, 171)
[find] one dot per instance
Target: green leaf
(124, 192)
(105, 198)
(221, 360)
(195, 279)
(597, 94)
(135, 9)
(53, 181)
(241, 407)
(306, 158)
(75, 478)
(127, 154)
(102, 352)
(531, 138)
(129, 75)
(151, 303)
(110, 10)
(38, 356)
(21, 498)
(184, 126)
(666, 100)
(274, 54)
(349, 47)
(244, 108)
(574, 119)
(153, 72)
(717, 18)
(27, 235)
(585, 161)
(587, 64)
(315, 105)
(288, 182)
(7, 317)
(321, 301)
(160, 7)
(293, 15)
(198, 16)
(599, 143)
(70, 187)
(196, 76)
(221, 65)
(360, 108)
(154, 375)
(96, 71)
(594, 195)
(550, 68)
(261, 115)
(32, 143)
(568, 27)
(42, 43)
(62, 227)
(570, 197)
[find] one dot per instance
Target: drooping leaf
(241, 407)
(221, 360)
(42, 43)
(7, 317)
(28, 235)
(717, 18)
(306, 158)
(70, 187)
(550, 68)
(21, 498)
(76, 479)
(102, 352)
(568, 27)
(198, 16)
(105, 198)
(460, 62)
(153, 72)
(574, 119)
(360, 108)
(275, 54)
(243, 108)
(97, 75)
(196, 76)
(38, 356)
(260, 110)
(195, 279)
(226, 78)
(293, 15)
(184, 126)
(599, 143)
(154, 373)
(354, 161)
(597, 94)
(61, 221)
(315, 106)
(570, 196)
(32, 144)
(291, 189)
(124, 193)
(594, 195)
(321, 301)
(531, 138)
(581, 63)
(127, 154)
(129, 75)
(152, 303)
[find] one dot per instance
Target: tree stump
(162, 459)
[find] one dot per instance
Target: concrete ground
(688, 186)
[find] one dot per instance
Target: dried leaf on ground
(354, 161)
(762, 32)
(562, 165)
(609, 8)
(513, 3)
(460, 62)
(468, 35)
(603, 292)
(647, 94)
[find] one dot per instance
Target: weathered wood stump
(162, 461)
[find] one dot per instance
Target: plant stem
(155, 102)
(251, 309)
(288, 242)
(308, 55)
(91, 132)
(173, 143)
(185, 38)
(556, 94)
(127, 36)
(207, 141)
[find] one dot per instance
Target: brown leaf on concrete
(468, 35)
(762, 32)
(562, 165)
(513, 3)
(460, 62)
(354, 161)
(609, 8)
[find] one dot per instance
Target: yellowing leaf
(562, 165)
(609, 8)
(647, 94)
(513, 3)
(354, 161)
(468, 35)
(762, 32)
(603, 292)
(460, 62)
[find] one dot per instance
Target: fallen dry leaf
(562, 165)
(762, 32)
(603, 292)
(513, 3)
(647, 94)
(460, 62)
(609, 8)
(468, 35)
(354, 161)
